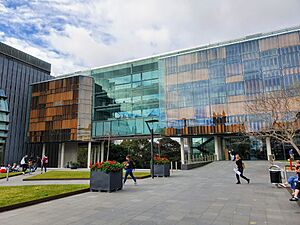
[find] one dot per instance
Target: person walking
(240, 169)
(129, 166)
(44, 163)
(23, 164)
(232, 152)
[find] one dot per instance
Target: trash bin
(275, 174)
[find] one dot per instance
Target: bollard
(176, 166)
(291, 164)
(171, 166)
(7, 173)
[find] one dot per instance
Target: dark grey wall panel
(16, 75)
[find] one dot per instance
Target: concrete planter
(101, 181)
(162, 170)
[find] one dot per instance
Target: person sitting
(15, 168)
(297, 187)
(294, 179)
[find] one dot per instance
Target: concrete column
(44, 150)
(95, 154)
(89, 154)
(102, 151)
(59, 155)
(190, 150)
(62, 155)
(269, 150)
(218, 147)
(182, 150)
(98, 153)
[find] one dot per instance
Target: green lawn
(74, 175)
(3, 175)
(11, 195)
(61, 175)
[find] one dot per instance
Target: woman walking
(129, 166)
(240, 169)
(44, 163)
(23, 164)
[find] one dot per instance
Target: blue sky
(80, 34)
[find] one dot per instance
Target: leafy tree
(169, 148)
(139, 149)
(117, 152)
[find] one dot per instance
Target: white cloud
(78, 34)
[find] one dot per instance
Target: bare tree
(275, 115)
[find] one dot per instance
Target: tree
(169, 148)
(117, 153)
(139, 149)
(275, 115)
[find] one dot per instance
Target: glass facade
(17, 71)
(4, 121)
(193, 92)
(125, 96)
(204, 91)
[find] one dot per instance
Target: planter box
(162, 170)
(101, 181)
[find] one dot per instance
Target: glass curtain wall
(125, 96)
(204, 91)
(4, 121)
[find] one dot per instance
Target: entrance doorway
(249, 148)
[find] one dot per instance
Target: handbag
(237, 171)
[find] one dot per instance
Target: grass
(75, 175)
(61, 175)
(3, 175)
(11, 195)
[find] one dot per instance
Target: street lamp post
(152, 154)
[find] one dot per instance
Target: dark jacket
(239, 164)
(129, 165)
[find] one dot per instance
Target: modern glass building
(125, 96)
(17, 71)
(197, 94)
(215, 81)
(4, 121)
(61, 113)
(204, 91)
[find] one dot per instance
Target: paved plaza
(206, 195)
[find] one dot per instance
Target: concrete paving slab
(207, 195)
